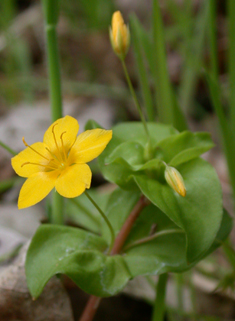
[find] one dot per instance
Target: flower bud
(119, 35)
(175, 180)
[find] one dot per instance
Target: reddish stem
(94, 301)
(127, 226)
(90, 309)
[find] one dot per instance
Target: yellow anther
(25, 142)
(34, 149)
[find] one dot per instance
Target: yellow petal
(175, 180)
(36, 188)
(117, 22)
(74, 180)
(119, 35)
(68, 126)
(39, 156)
(89, 145)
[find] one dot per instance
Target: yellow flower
(60, 161)
(119, 35)
(175, 180)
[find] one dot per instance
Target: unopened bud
(119, 35)
(175, 180)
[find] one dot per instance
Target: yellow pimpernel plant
(59, 161)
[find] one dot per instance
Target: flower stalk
(134, 97)
(105, 218)
(120, 40)
(51, 13)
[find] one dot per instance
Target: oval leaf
(199, 213)
(185, 146)
(167, 253)
(78, 254)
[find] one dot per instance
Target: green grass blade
(231, 55)
(11, 151)
(213, 39)
(143, 75)
(213, 80)
(226, 131)
(166, 104)
(193, 56)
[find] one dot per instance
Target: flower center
(58, 158)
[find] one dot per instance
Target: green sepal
(199, 213)
(79, 255)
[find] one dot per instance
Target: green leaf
(132, 152)
(78, 254)
(134, 131)
(181, 148)
(164, 254)
(224, 231)
(131, 132)
(118, 208)
(82, 212)
(92, 124)
(167, 253)
(199, 213)
(151, 220)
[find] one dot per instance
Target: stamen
(33, 149)
(62, 143)
(53, 132)
(46, 166)
(53, 155)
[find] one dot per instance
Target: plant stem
(51, 13)
(152, 237)
(90, 309)
(57, 216)
(94, 301)
(105, 218)
(179, 290)
(11, 151)
(127, 226)
(134, 97)
(159, 304)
